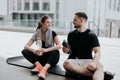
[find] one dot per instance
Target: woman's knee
(24, 52)
(54, 58)
(56, 54)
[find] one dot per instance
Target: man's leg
(76, 66)
(99, 73)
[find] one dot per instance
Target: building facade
(103, 15)
(30, 11)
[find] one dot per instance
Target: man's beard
(77, 26)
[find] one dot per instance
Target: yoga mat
(22, 62)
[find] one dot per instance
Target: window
(57, 10)
(19, 5)
(46, 6)
(118, 6)
(35, 6)
(110, 2)
(13, 5)
(27, 6)
(30, 16)
(22, 16)
(37, 16)
(15, 16)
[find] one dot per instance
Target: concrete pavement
(11, 44)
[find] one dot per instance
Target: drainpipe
(110, 29)
(119, 33)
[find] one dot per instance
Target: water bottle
(39, 45)
(65, 44)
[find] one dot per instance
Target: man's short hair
(82, 15)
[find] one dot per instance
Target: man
(82, 42)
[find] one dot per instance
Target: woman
(50, 52)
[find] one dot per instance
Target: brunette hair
(42, 21)
(82, 15)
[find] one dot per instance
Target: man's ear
(81, 20)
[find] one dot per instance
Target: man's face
(77, 22)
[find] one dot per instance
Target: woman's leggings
(51, 58)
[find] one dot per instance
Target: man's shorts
(81, 62)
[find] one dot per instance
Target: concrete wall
(69, 7)
(3, 7)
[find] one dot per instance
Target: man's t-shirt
(82, 43)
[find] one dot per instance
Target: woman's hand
(43, 50)
(37, 52)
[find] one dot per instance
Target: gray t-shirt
(34, 37)
(36, 34)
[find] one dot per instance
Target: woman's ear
(41, 23)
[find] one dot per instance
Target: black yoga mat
(57, 70)
(22, 62)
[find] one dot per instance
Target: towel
(49, 37)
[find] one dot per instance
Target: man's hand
(92, 66)
(65, 47)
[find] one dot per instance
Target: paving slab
(10, 72)
(11, 44)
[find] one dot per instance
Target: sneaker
(108, 75)
(42, 73)
(37, 68)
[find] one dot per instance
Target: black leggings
(51, 58)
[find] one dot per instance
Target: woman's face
(47, 23)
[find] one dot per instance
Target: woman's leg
(54, 58)
(52, 61)
(34, 59)
(29, 56)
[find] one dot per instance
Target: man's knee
(100, 66)
(66, 64)
(100, 72)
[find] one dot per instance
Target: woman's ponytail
(39, 26)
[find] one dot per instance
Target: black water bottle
(65, 44)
